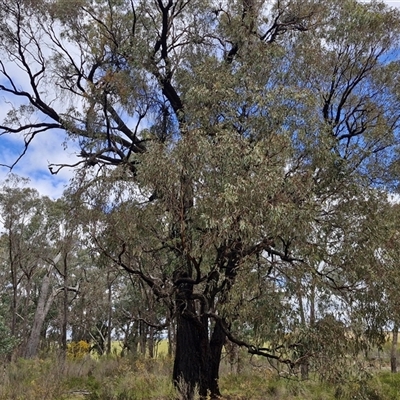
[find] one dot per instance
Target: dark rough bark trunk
(304, 371)
(197, 358)
(196, 364)
(131, 340)
(393, 352)
(188, 354)
(217, 342)
(142, 337)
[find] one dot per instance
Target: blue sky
(48, 148)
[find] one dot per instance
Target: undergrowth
(147, 379)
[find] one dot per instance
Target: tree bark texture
(197, 357)
(393, 351)
(41, 311)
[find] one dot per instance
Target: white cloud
(392, 3)
(47, 148)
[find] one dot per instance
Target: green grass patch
(116, 378)
(390, 384)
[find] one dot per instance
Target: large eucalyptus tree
(236, 146)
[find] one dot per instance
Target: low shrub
(77, 350)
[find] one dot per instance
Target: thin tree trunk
(65, 309)
(23, 304)
(15, 295)
(171, 336)
(304, 364)
(142, 337)
(150, 344)
(393, 351)
(109, 318)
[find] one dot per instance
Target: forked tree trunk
(197, 359)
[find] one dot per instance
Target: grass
(105, 379)
(128, 378)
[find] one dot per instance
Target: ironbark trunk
(197, 358)
(217, 342)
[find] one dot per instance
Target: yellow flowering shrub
(77, 350)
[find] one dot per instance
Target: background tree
(32, 253)
(25, 243)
